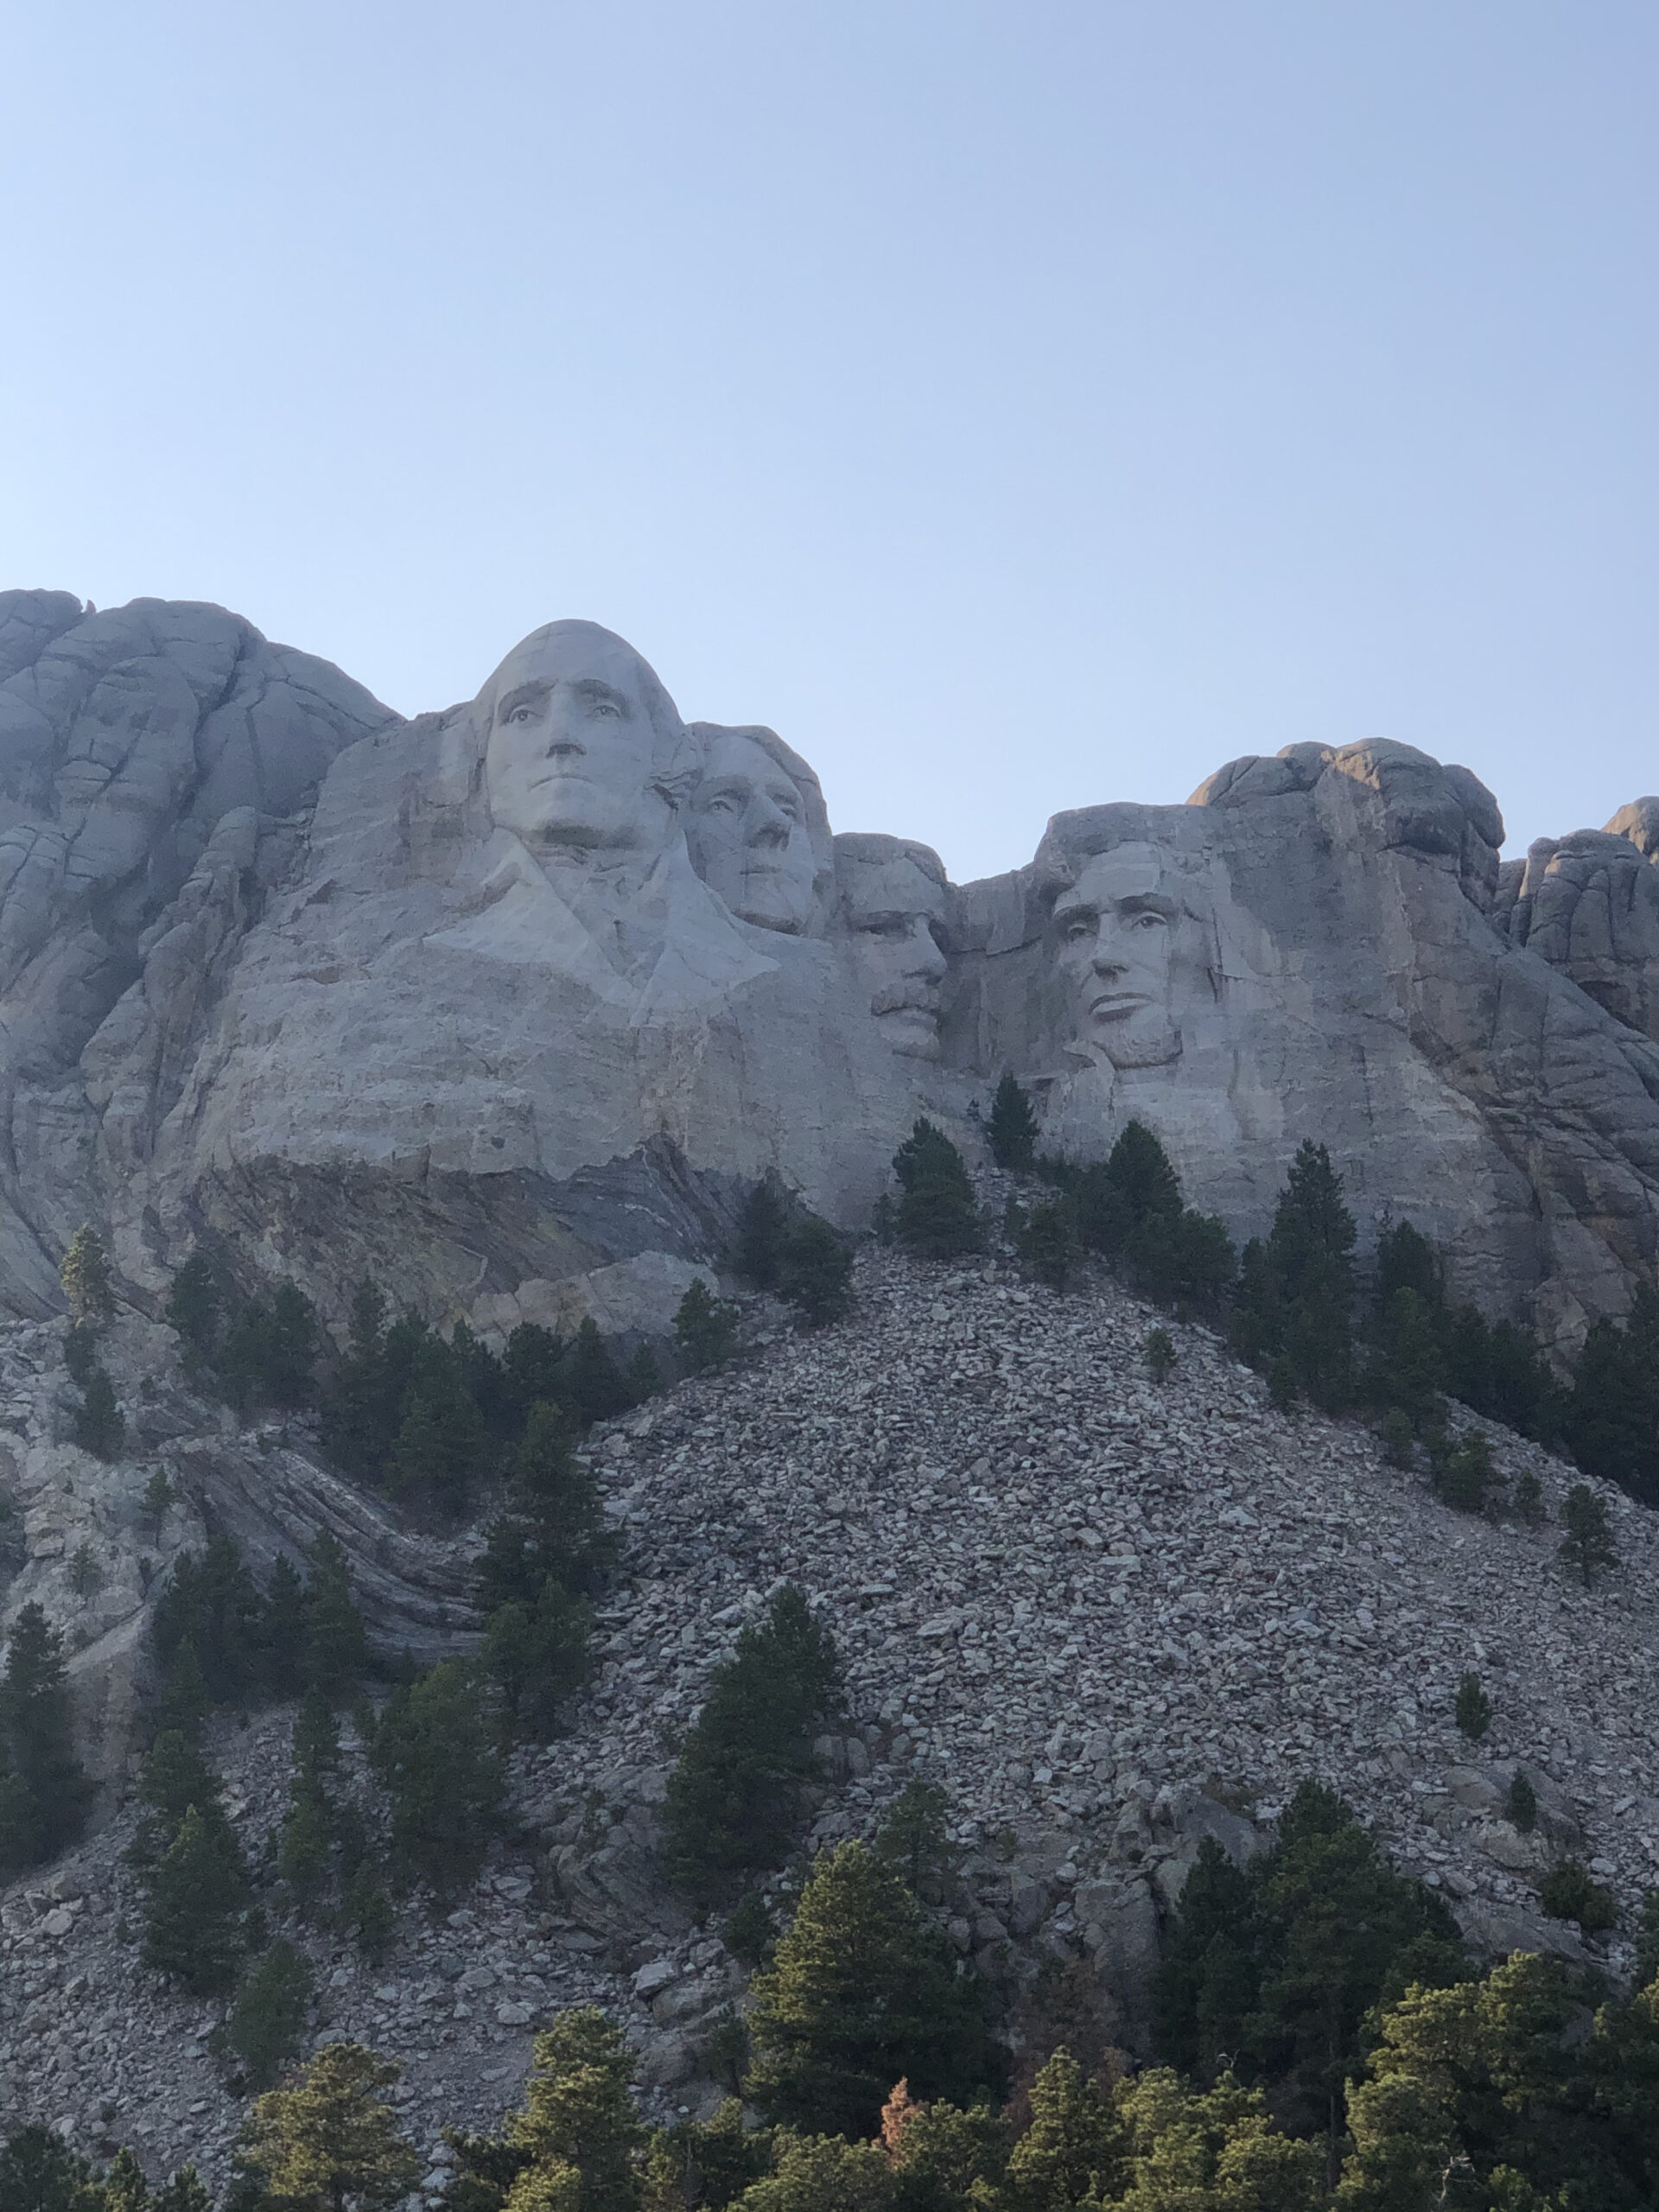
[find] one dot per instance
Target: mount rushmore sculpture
(513, 1004)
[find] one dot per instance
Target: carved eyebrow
(522, 695)
(592, 689)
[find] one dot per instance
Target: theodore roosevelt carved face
(748, 830)
(1115, 930)
(584, 752)
(891, 901)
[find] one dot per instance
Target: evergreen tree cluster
(783, 1246)
(222, 1640)
(44, 1792)
(733, 1796)
(543, 1560)
(422, 1417)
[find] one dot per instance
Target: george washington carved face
(582, 744)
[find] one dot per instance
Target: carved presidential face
(572, 746)
(890, 907)
(748, 835)
(1115, 931)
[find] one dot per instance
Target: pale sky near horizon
(1018, 406)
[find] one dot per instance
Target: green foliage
(1282, 1392)
(244, 1643)
(1520, 1803)
(1047, 1243)
(1012, 1129)
(1274, 1967)
(1568, 1893)
(704, 2162)
(1647, 1940)
(370, 1914)
(195, 1309)
(433, 1754)
(1473, 1709)
(1074, 2150)
(913, 1839)
(267, 2024)
(1588, 1544)
(866, 1987)
(185, 1701)
(44, 1792)
(198, 1902)
(761, 1228)
(336, 1651)
(821, 2173)
(80, 1352)
(937, 1216)
(326, 2141)
(577, 2112)
(595, 1389)
(158, 1496)
(1397, 1438)
(85, 1274)
(1464, 1473)
(733, 1796)
(1296, 1291)
(705, 1328)
(537, 1654)
(815, 1271)
(267, 1348)
(1610, 1416)
(1490, 2090)
(40, 2173)
(1527, 1499)
(100, 1426)
(643, 1376)
(1409, 1370)
(749, 1933)
(1160, 1354)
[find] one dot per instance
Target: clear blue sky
(1017, 406)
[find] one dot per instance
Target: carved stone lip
(1117, 1005)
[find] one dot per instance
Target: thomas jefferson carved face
(574, 743)
(891, 903)
(1116, 928)
(749, 834)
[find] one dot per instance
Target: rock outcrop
(498, 1001)
(1109, 1617)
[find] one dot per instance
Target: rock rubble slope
(1110, 1617)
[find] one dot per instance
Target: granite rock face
(500, 1001)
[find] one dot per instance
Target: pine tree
(1568, 1893)
(815, 1271)
(211, 1602)
(1160, 1354)
(1047, 1244)
(1463, 1472)
(577, 2113)
(196, 1905)
(100, 1426)
(1311, 1248)
(937, 1216)
(336, 1651)
(173, 1777)
(761, 1228)
(267, 2022)
(554, 1528)
(705, 1327)
(1647, 1941)
(734, 1793)
(369, 1914)
(538, 1654)
(433, 1755)
(327, 2142)
(865, 1987)
(1409, 1369)
(1588, 1543)
(185, 1700)
(1012, 1129)
(1521, 1805)
(195, 1309)
(86, 1277)
(80, 1352)
(37, 1731)
(595, 1388)
(1611, 1415)
(289, 1347)
(40, 2173)
(643, 1375)
(1474, 1708)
